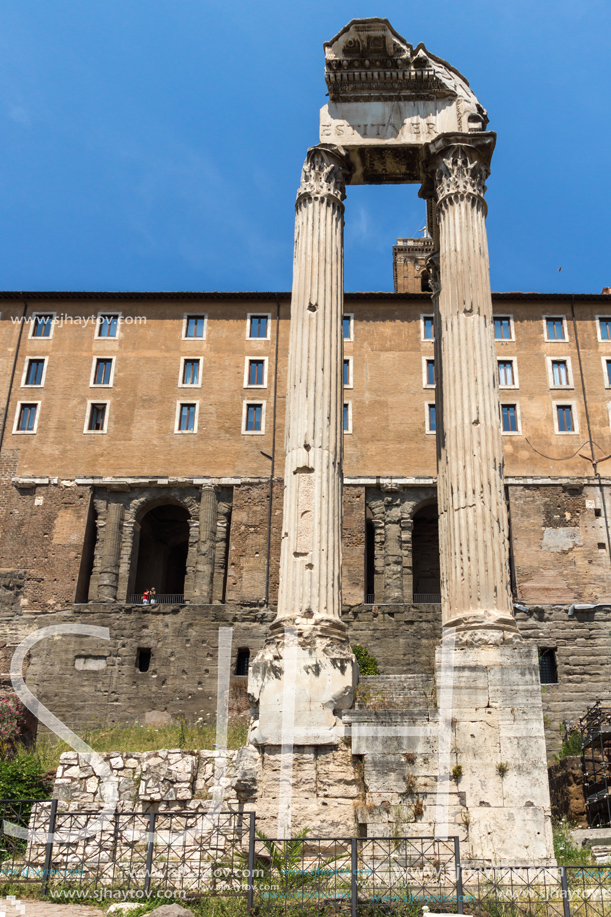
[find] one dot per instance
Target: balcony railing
(419, 598)
(177, 598)
(426, 598)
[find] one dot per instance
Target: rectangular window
(560, 374)
(194, 326)
(608, 372)
(258, 326)
(186, 418)
(347, 418)
(190, 372)
(506, 372)
(34, 372)
(103, 372)
(42, 326)
(509, 414)
(256, 370)
(97, 418)
(431, 418)
(347, 327)
(555, 328)
(430, 372)
(604, 328)
(346, 372)
(254, 417)
(502, 328)
(26, 418)
(428, 328)
(564, 416)
(108, 325)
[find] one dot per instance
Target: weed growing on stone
(567, 853)
(571, 744)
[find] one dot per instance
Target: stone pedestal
(498, 741)
(321, 675)
(309, 598)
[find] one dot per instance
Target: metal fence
(196, 855)
(357, 876)
(418, 598)
(176, 598)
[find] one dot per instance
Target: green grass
(132, 737)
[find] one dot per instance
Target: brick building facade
(142, 445)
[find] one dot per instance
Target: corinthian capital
(324, 174)
(458, 166)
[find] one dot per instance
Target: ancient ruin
(432, 506)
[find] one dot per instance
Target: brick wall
(560, 547)
(43, 532)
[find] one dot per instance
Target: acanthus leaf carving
(324, 174)
(459, 170)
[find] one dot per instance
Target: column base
(484, 627)
(321, 677)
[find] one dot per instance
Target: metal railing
(193, 855)
(356, 875)
(419, 598)
(176, 598)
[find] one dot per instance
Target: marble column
(310, 560)
(473, 525)
(323, 669)
(208, 510)
(111, 554)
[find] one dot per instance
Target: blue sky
(157, 144)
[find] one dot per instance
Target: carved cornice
(324, 175)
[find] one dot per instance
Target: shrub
(11, 722)
(368, 664)
(24, 778)
(570, 746)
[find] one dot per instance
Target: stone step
(412, 693)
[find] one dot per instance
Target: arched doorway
(162, 550)
(425, 555)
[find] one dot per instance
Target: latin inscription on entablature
(364, 123)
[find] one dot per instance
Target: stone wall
(43, 532)
(86, 681)
(184, 642)
(153, 780)
(560, 543)
(582, 645)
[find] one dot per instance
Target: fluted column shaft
(207, 544)
(310, 560)
(473, 525)
(111, 554)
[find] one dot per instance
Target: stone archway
(162, 550)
